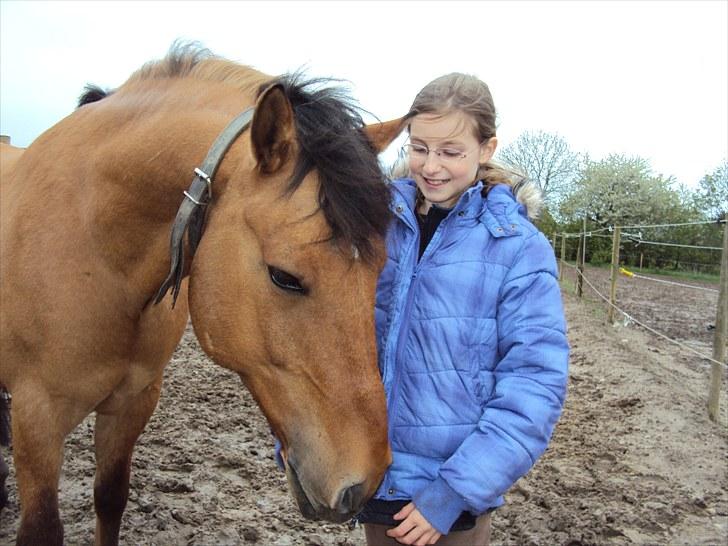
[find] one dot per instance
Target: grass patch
(597, 308)
(568, 286)
(684, 275)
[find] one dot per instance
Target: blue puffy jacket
(472, 351)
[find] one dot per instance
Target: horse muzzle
(347, 501)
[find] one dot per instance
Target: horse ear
(381, 135)
(273, 130)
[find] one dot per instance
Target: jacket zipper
(390, 373)
(400, 345)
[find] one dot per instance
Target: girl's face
(444, 156)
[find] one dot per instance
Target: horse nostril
(351, 499)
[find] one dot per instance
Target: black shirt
(428, 224)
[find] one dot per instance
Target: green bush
(601, 257)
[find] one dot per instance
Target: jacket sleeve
(529, 390)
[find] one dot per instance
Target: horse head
(282, 289)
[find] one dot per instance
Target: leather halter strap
(191, 214)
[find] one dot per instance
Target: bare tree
(546, 159)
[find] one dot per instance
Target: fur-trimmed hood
(526, 191)
(528, 194)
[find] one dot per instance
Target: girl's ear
(487, 150)
(381, 135)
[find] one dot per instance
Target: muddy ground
(634, 459)
(660, 302)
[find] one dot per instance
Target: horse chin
(306, 506)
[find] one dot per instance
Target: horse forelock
(353, 194)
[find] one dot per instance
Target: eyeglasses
(420, 152)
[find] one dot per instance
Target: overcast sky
(640, 78)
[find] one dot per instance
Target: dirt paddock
(634, 459)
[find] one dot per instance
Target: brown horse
(10, 155)
(280, 290)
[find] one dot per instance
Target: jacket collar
(499, 212)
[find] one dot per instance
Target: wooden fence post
(615, 272)
(721, 327)
(583, 250)
(580, 262)
(580, 266)
(563, 253)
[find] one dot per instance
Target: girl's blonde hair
(464, 93)
(457, 92)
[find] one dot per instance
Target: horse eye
(286, 281)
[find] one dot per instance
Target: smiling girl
(470, 328)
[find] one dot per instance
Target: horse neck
(138, 178)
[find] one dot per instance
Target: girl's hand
(414, 529)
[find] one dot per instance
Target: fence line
(675, 225)
(627, 273)
(638, 241)
(632, 319)
(721, 321)
(646, 226)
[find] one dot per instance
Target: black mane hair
(92, 93)
(353, 192)
(353, 195)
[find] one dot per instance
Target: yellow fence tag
(623, 271)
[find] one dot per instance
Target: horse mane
(92, 93)
(353, 194)
(190, 59)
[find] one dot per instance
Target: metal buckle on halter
(190, 219)
(195, 201)
(204, 176)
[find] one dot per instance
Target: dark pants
(477, 536)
